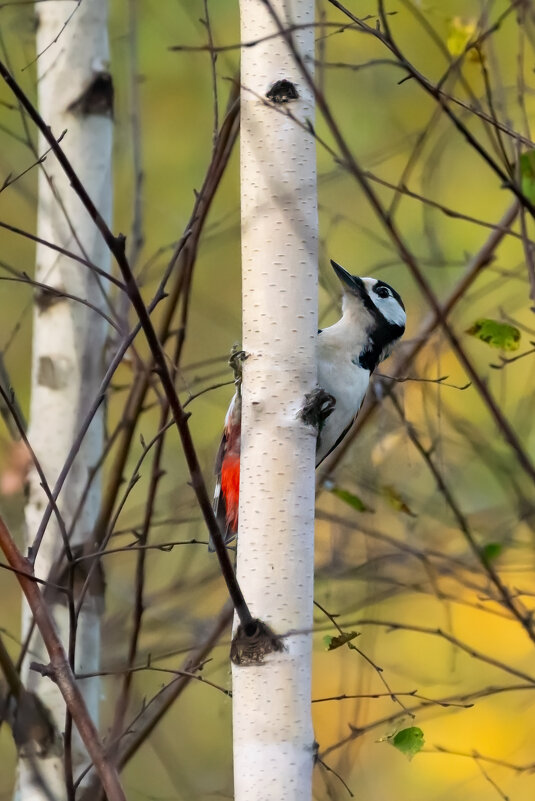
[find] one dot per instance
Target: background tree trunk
(273, 737)
(75, 95)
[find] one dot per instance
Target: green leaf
(351, 500)
(527, 174)
(395, 500)
(409, 741)
(341, 639)
(491, 551)
(496, 334)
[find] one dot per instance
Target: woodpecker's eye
(382, 291)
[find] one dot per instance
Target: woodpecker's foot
(252, 648)
(237, 356)
(317, 407)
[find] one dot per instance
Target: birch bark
(273, 736)
(74, 94)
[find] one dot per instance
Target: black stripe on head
(381, 340)
(395, 294)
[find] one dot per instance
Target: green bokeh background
(189, 755)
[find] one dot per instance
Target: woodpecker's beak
(351, 283)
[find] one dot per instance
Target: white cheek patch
(389, 307)
(392, 311)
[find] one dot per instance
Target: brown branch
(407, 693)
(53, 495)
(438, 632)
(139, 601)
(481, 259)
(210, 48)
(116, 245)
(11, 674)
(49, 294)
(12, 179)
(156, 474)
(517, 768)
(140, 728)
(405, 254)
(351, 645)
(218, 163)
(60, 668)
(381, 723)
(522, 615)
(64, 252)
(7, 401)
(442, 99)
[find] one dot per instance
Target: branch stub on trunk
(97, 97)
(283, 92)
(252, 648)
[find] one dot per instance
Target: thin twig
(407, 257)
(60, 667)
(422, 337)
(517, 610)
(144, 723)
(116, 245)
(213, 62)
(64, 252)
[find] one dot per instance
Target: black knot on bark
(250, 647)
(97, 97)
(47, 296)
(33, 729)
(282, 92)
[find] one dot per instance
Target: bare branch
(60, 668)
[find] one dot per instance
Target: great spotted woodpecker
(372, 322)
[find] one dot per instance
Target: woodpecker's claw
(237, 356)
(317, 408)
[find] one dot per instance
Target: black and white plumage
(373, 320)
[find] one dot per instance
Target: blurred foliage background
(404, 559)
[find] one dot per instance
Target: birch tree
(273, 737)
(75, 96)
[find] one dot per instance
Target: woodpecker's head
(376, 310)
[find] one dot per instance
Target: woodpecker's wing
(227, 470)
(219, 458)
(341, 437)
(218, 504)
(337, 443)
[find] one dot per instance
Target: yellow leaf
(461, 33)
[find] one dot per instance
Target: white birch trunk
(273, 736)
(74, 94)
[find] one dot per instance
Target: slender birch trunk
(75, 94)
(273, 736)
